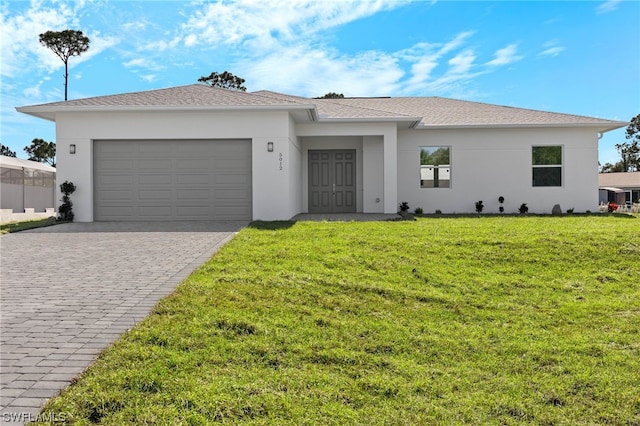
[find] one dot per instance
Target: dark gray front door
(332, 181)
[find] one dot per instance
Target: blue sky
(578, 57)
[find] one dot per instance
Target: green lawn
(491, 320)
(23, 226)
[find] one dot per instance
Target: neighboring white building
(613, 186)
(202, 153)
(26, 187)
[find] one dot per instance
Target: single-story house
(201, 153)
(27, 189)
(620, 188)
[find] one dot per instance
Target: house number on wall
(280, 158)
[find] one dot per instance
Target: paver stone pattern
(68, 291)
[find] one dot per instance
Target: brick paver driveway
(68, 291)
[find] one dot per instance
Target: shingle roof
(425, 112)
(439, 112)
(619, 180)
(192, 95)
(336, 110)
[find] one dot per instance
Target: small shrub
(418, 210)
(570, 211)
(612, 207)
(479, 206)
(404, 206)
(65, 210)
(438, 211)
(523, 209)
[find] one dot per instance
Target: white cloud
(277, 45)
(425, 68)
(425, 57)
(19, 36)
(134, 26)
(456, 42)
(135, 62)
(607, 6)
(462, 62)
(146, 63)
(313, 72)
(263, 24)
(552, 51)
(33, 92)
(505, 56)
(551, 48)
(149, 78)
(163, 45)
(19, 41)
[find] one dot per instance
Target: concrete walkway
(345, 217)
(69, 291)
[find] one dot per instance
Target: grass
(496, 320)
(23, 226)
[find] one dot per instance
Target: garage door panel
(194, 211)
(145, 195)
(229, 164)
(117, 147)
(231, 194)
(193, 179)
(188, 148)
(232, 178)
(155, 179)
(228, 145)
(191, 164)
(117, 211)
(231, 212)
(154, 164)
(172, 180)
(117, 195)
(155, 211)
(154, 148)
(115, 164)
(193, 195)
(123, 180)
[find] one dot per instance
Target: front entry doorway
(332, 181)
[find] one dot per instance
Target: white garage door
(172, 180)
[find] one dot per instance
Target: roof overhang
(304, 113)
(612, 189)
(402, 122)
(601, 127)
(300, 112)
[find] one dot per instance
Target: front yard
(492, 320)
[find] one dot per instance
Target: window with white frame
(435, 167)
(546, 164)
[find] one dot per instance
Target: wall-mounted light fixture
(72, 148)
(269, 146)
